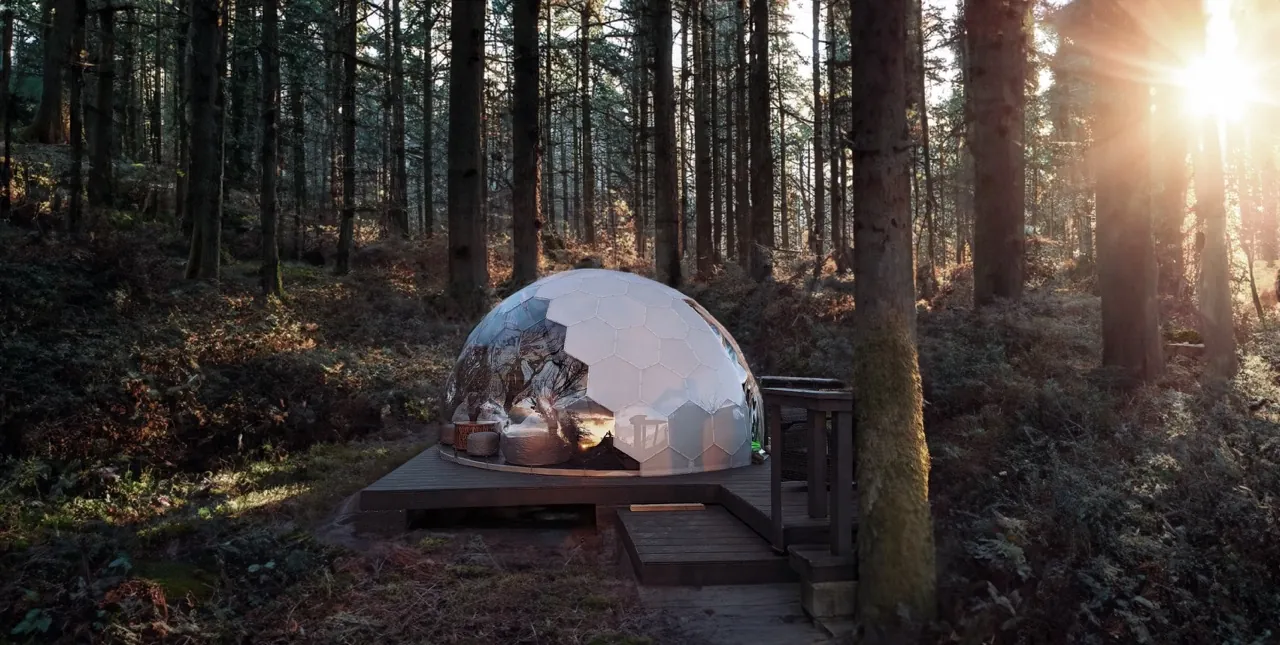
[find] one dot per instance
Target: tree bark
(526, 187)
(1126, 249)
(205, 167)
(702, 145)
(59, 17)
(399, 169)
(816, 244)
(549, 176)
(761, 146)
(244, 70)
(428, 132)
(75, 218)
(997, 41)
(298, 117)
(717, 172)
(839, 241)
(156, 118)
(6, 73)
(272, 284)
(182, 98)
(468, 255)
(1216, 316)
(100, 163)
(897, 576)
(742, 178)
(346, 229)
(588, 160)
(930, 205)
(666, 212)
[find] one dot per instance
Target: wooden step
(815, 563)
(698, 547)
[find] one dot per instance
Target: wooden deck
(427, 483)
(708, 546)
(724, 543)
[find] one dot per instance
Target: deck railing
(828, 496)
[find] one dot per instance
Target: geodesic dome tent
(607, 371)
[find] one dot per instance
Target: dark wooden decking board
(703, 547)
(427, 482)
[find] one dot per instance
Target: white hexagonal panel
(621, 312)
(558, 285)
(651, 294)
(677, 356)
(615, 371)
(590, 341)
(662, 389)
(640, 432)
(729, 428)
(638, 346)
(691, 431)
(603, 285)
(666, 323)
(572, 308)
(614, 383)
(703, 387)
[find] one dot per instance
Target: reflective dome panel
(606, 371)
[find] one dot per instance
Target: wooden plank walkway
(708, 546)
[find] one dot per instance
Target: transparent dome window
(609, 372)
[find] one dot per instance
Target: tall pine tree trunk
(346, 229)
(702, 152)
(205, 176)
(717, 176)
(100, 164)
(761, 145)
(298, 117)
(271, 280)
(997, 41)
(468, 257)
(819, 201)
(59, 24)
(399, 169)
(75, 72)
(1217, 326)
(428, 132)
(6, 130)
(666, 212)
(1126, 250)
(742, 181)
(526, 185)
(897, 577)
(588, 161)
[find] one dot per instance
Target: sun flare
(1222, 83)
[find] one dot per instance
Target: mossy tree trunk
(897, 575)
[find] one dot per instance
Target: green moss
(177, 579)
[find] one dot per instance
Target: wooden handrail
(819, 403)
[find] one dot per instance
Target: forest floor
(185, 448)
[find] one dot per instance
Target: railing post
(842, 485)
(773, 416)
(817, 459)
